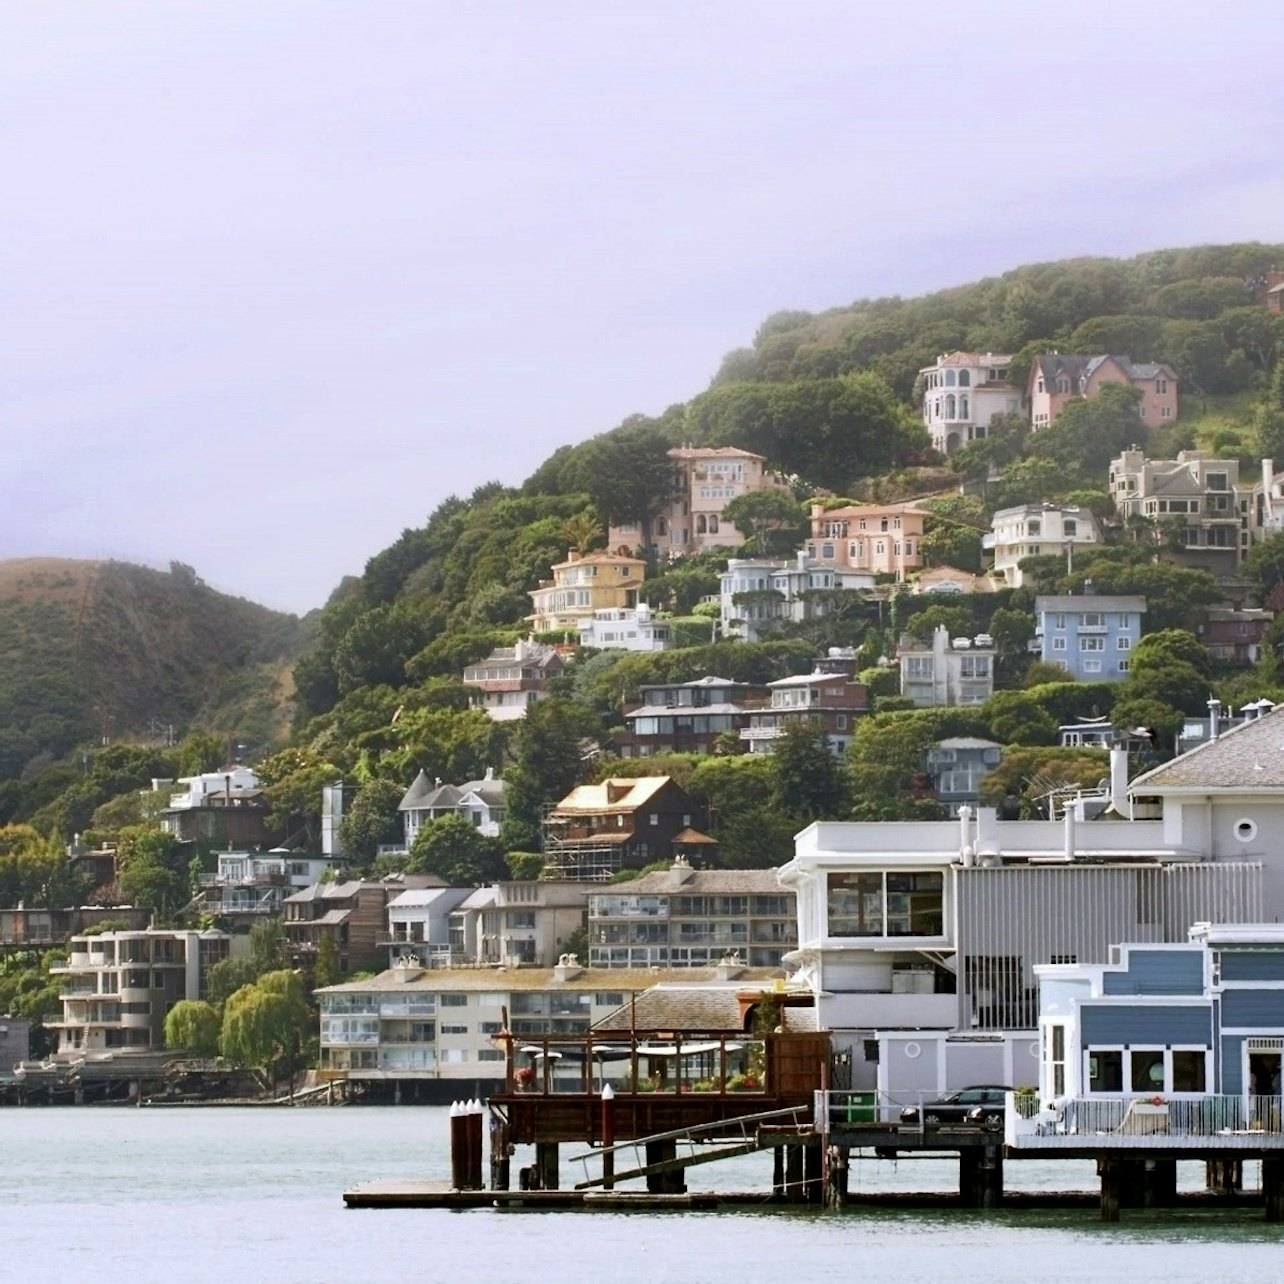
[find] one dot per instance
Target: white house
(948, 672)
(1033, 530)
(756, 593)
(625, 628)
(419, 924)
(479, 801)
(962, 393)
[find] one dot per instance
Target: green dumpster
(862, 1108)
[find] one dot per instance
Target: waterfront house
(419, 925)
(1091, 635)
(621, 823)
(684, 917)
(117, 987)
(519, 922)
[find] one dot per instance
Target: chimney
(967, 850)
(1214, 717)
(729, 967)
(681, 872)
(1119, 802)
(1069, 821)
(567, 967)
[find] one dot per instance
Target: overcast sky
(276, 278)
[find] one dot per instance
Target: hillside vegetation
(93, 649)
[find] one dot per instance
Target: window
(512, 918)
(1188, 1070)
(1146, 1067)
(1105, 1070)
(1161, 385)
(974, 666)
(1094, 620)
(454, 1029)
(1058, 644)
(1123, 643)
(609, 999)
(490, 1054)
(1034, 527)
(1057, 1059)
(1069, 528)
(893, 903)
(1123, 666)
(918, 667)
(1092, 666)
(1092, 644)
(454, 1000)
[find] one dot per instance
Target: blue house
(1091, 635)
(1167, 1022)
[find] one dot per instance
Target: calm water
(233, 1196)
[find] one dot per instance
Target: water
(238, 1196)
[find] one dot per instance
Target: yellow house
(582, 585)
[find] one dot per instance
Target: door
(1264, 1090)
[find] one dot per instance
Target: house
(1034, 530)
(441, 1034)
(962, 392)
(957, 765)
(15, 1043)
(519, 922)
(1195, 498)
(225, 808)
(352, 914)
(705, 480)
(625, 628)
(117, 987)
(248, 886)
(875, 539)
(1203, 1017)
(1057, 378)
(1091, 635)
(947, 672)
(24, 928)
(758, 594)
(418, 928)
(1091, 733)
(690, 918)
(919, 939)
(480, 802)
(833, 700)
(686, 717)
(1235, 635)
(621, 823)
(582, 585)
(511, 678)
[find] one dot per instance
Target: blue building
(1164, 1023)
(1091, 635)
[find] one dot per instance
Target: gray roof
(418, 791)
(426, 795)
(682, 710)
(1249, 756)
(704, 882)
(1089, 602)
(967, 742)
(506, 980)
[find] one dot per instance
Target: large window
(1105, 1070)
(891, 903)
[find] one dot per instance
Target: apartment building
(625, 628)
(758, 594)
(1200, 498)
(962, 392)
(689, 918)
(686, 717)
(874, 539)
(116, 988)
(705, 480)
(1092, 635)
(947, 671)
(1038, 530)
(832, 700)
(519, 922)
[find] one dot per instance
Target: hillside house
(1035, 530)
(962, 393)
(480, 802)
(583, 585)
(686, 717)
(947, 671)
(511, 678)
(832, 700)
(875, 539)
(757, 594)
(1056, 379)
(1091, 635)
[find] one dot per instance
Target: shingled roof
(1249, 757)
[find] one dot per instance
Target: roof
(420, 788)
(967, 742)
(691, 838)
(637, 793)
(424, 795)
(482, 898)
(419, 896)
(1249, 757)
(683, 710)
(332, 918)
(711, 452)
(673, 1006)
(1074, 603)
(703, 882)
(810, 679)
(491, 980)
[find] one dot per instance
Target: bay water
(230, 1196)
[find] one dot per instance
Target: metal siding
(1145, 1025)
(1159, 972)
(1253, 1009)
(1023, 915)
(1252, 965)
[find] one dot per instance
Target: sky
(277, 278)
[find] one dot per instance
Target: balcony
(1090, 628)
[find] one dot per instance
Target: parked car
(981, 1105)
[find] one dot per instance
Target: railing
(1155, 1120)
(915, 1112)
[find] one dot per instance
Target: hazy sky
(276, 278)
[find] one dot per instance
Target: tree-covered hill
(89, 649)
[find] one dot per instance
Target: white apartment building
(1034, 530)
(962, 392)
(947, 672)
(625, 628)
(527, 922)
(758, 593)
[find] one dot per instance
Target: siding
(1252, 965)
(1253, 1009)
(1159, 972)
(1144, 1024)
(1232, 1067)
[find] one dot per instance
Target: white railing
(1155, 1120)
(915, 1112)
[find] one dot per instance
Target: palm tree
(583, 531)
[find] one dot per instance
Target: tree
(151, 871)
(456, 851)
(584, 531)
(1264, 564)
(1017, 718)
(372, 819)
(293, 780)
(548, 764)
(264, 1023)
(771, 521)
(192, 1025)
(325, 970)
(1030, 775)
(810, 783)
(1090, 432)
(956, 619)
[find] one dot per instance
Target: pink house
(1057, 378)
(884, 539)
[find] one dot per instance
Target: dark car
(981, 1105)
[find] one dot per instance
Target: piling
(458, 1146)
(546, 1165)
(1273, 1188)
(608, 1137)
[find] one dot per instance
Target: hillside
(106, 648)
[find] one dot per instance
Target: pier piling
(1273, 1188)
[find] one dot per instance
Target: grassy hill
(107, 648)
